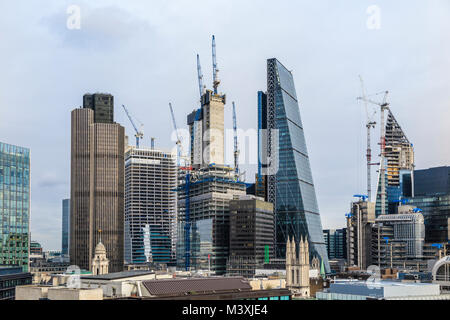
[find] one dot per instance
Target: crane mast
(384, 105)
(200, 77)
(236, 149)
(139, 134)
(216, 80)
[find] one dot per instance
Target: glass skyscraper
(14, 205)
(65, 226)
(291, 188)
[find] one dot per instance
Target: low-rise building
(10, 278)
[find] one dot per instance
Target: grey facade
(291, 188)
(97, 189)
(150, 206)
(65, 227)
(102, 105)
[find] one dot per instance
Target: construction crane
(178, 142)
(200, 77)
(369, 125)
(236, 149)
(187, 168)
(139, 133)
(216, 80)
(384, 105)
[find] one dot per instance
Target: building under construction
(399, 159)
(203, 231)
(206, 185)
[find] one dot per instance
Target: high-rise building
(150, 205)
(336, 243)
(291, 188)
(204, 238)
(432, 196)
(65, 227)
(251, 235)
(359, 233)
(14, 206)
(399, 160)
(97, 183)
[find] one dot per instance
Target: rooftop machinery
(139, 133)
(384, 105)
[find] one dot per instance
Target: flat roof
(119, 275)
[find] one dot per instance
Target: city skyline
(130, 48)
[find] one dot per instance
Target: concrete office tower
(399, 160)
(150, 205)
(14, 206)
(97, 184)
(251, 235)
(65, 227)
(359, 234)
(206, 126)
(408, 226)
(291, 188)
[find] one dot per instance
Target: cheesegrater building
(291, 187)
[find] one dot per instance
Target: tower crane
(139, 133)
(178, 142)
(369, 125)
(384, 105)
(216, 80)
(200, 77)
(236, 149)
(187, 224)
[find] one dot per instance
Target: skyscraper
(65, 226)
(97, 183)
(291, 188)
(150, 205)
(14, 205)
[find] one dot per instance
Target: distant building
(251, 235)
(14, 205)
(150, 205)
(336, 243)
(97, 182)
(10, 278)
(381, 290)
(432, 196)
(359, 234)
(290, 185)
(65, 226)
(36, 251)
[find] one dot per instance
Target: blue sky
(144, 53)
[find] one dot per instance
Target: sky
(144, 53)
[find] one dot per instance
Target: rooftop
(119, 275)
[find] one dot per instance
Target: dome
(100, 249)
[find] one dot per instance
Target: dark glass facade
(14, 205)
(10, 278)
(65, 226)
(291, 189)
(103, 106)
(336, 243)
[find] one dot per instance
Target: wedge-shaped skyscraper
(289, 180)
